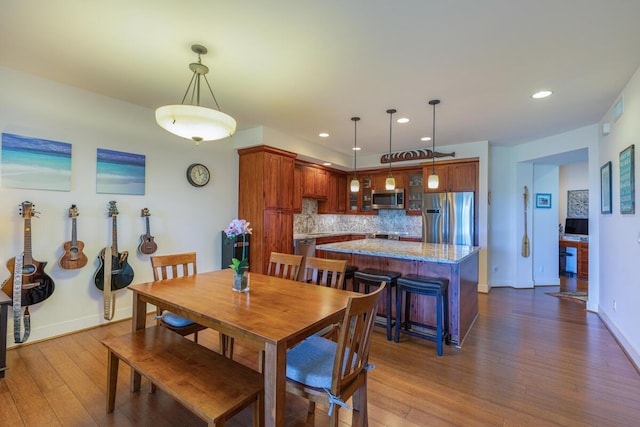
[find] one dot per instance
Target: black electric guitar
(73, 256)
(121, 271)
(37, 286)
(147, 244)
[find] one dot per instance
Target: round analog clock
(198, 175)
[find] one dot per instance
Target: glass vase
(241, 280)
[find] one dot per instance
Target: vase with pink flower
(236, 229)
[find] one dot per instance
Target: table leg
(112, 380)
(138, 322)
(3, 339)
(275, 371)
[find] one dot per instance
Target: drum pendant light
(355, 184)
(390, 182)
(433, 181)
(191, 121)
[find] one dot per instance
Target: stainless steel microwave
(387, 199)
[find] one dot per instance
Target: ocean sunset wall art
(34, 163)
(120, 173)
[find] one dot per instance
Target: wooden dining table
(275, 315)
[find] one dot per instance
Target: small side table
(5, 302)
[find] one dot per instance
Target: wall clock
(578, 204)
(198, 175)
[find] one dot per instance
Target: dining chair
(168, 267)
(283, 265)
(325, 272)
(328, 372)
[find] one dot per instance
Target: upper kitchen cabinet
(413, 197)
(380, 178)
(297, 189)
(265, 199)
(278, 181)
(314, 182)
(336, 200)
(360, 202)
(453, 176)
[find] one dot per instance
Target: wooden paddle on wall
(525, 238)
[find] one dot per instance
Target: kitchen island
(459, 264)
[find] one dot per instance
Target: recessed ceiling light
(356, 148)
(425, 138)
(403, 120)
(323, 135)
(541, 94)
(326, 164)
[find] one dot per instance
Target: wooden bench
(211, 386)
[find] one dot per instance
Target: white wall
(544, 250)
(507, 265)
(183, 218)
(620, 234)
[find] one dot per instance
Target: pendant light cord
(355, 139)
(390, 111)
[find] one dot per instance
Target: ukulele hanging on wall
(28, 284)
(73, 256)
(147, 244)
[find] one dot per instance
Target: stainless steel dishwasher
(305, 247)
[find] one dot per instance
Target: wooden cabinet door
(297, 190)
(443, 177)
(321, 184)
(330, 205)
(341, 196)
(463, 176)
(278, 236)
(308, 182)
(278, 182)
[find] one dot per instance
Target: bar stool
(349, 274)
(372, 277)
(429, 286)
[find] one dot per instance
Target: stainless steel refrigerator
(448, 218)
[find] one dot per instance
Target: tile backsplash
(389, 220)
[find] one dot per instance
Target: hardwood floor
(530, 360)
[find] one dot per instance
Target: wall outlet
(614, 305)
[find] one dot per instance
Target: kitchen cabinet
(265, 199)
(336, 200)
(297, 190)
(414, 190)
(314, 182)
(379, 179)
(360, 202)
(453, 176)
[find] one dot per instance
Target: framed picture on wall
(627, 179)
(543, 200)
(605, 188)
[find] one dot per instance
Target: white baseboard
(629, 350)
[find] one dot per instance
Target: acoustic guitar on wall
(73, 256)
(147, 244)
(36, 285)
(121, 272)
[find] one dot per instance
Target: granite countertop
(314, 235)
(416, 251)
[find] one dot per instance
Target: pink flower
(238, 227)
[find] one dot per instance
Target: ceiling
(306, 67)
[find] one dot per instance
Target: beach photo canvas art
(35, 163)
(118, 172)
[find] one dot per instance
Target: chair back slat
(354, 339)
(176, 265)
(286, 266)
(324, 272)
